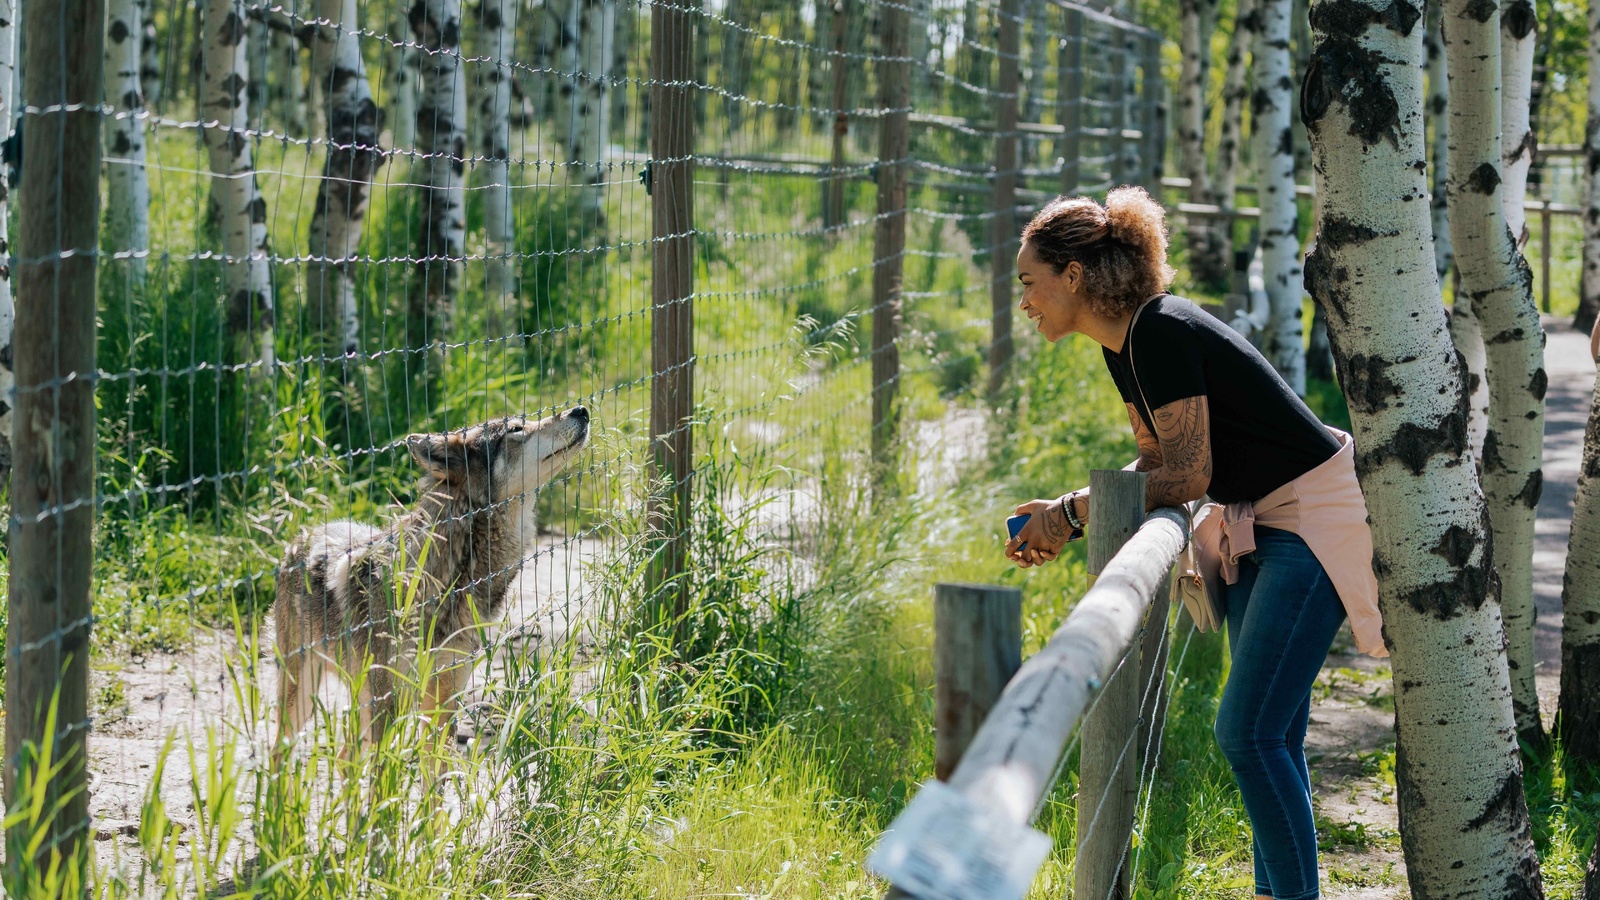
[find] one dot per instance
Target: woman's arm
(1183, 439)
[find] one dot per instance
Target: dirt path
(1351, 743)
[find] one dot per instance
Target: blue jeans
(1282, 617)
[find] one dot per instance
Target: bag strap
(1132, 368)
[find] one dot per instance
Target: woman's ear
(1073, 276)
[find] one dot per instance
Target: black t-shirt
(1262, 435)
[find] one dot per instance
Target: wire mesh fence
(762, 246)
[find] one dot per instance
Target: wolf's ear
(444, 456)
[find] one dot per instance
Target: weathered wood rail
(1095, 670)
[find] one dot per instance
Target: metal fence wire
(760, 243)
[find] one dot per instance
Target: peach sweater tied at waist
(1325, 508)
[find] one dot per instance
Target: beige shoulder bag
(1201, 596)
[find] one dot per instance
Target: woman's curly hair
(1121, 246)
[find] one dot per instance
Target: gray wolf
(363, 602)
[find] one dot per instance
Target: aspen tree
(1518, 24)
(404, 74)
(8, 85)
(353, 157)
(1499, 284)
(1235, 91)
(1464, 821)
(1274, 149)
(499, 28)
(1438, 116)
(1589, 289)
(1207, 254)
(237, 201)
(127, 182)
(149, 57)
(441, 160)
(1578, 711)
(587, 107)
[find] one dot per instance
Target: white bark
(1438, 117)
(240, 207)
(404, 73)
(258, 56)
(1500, 285)
(1235, 91)
(353, 156)
(587, 109)
(8, 378)
(442, 148)
(1280, 240)
(1207, 252)
(1468, 337)
(1589, 289)
(499, 29)
(286, 89)
(1579, 719)
(1463, 818)
(1517, 37)
(127, 183)
(149, 57)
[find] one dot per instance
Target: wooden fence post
(977, 647)
(1108, 763)
(1069, 98)
(52, 484)
(1116, 146)
(1544, 254)
(1153, 144)
(1002, 224)
(671, 185)
(889, 244)
(839, 67)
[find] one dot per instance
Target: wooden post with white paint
(977, 647)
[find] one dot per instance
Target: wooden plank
(1108, 763)
(52, 484)
(889, 242)
(977, 647)
(1002, 226)
(671, 184)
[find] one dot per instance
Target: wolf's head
(502, 459)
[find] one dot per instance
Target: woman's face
(1051, 299)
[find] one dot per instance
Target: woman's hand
(1045, 533)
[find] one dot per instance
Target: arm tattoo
(1183, 428)
(1055, 523)
(1149, 448)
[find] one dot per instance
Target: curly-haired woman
(1211, 417)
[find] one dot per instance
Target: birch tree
(587, 108)
(1464, 820)
(1207, 254)
(1499, 284)
(353, 157)
(258, 55)
(285, 89)
(1438, 156)
(1235, 91)
(149, 57)
(1274, 150)
(442, 150)
(240, 208)
(1589, 286)
(404, 73)
(1517, 25)
(499, 28)
(8, 84)
(127, 182)
(1578, 718)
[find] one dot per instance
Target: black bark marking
(1325, 283)
(1341, 68)
(231, 31)
(121, 145)
(1492, 461)
(1339, 233)
(1455, 546)
(1510, 335)
(258, 210)
(1506, 804)
(1367, 385)
(1539, 385)
(1518, 19)
(1346, 18)
(118, 32)
(1480, 10)
(1532, 489)
(131, 100)
(1466, 589)
(1483, 180)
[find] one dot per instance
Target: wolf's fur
(360, 600)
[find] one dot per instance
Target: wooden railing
(966, 834)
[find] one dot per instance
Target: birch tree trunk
(149, 57)
(588, 110)
(8, 85)
(1517, 143)
(1464, 821)
(1589, 288)
(286, 90)
(354, 123)
(1438, 116)
(1578, 718)
(1235, 91)
(1207, 261)
(240, 208)
(499, 31)
(257, 55)
(404, 73)
(1500, 285)
(442, 151)
(1280, 239)
(127, 182)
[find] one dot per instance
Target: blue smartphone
(1014, 525)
